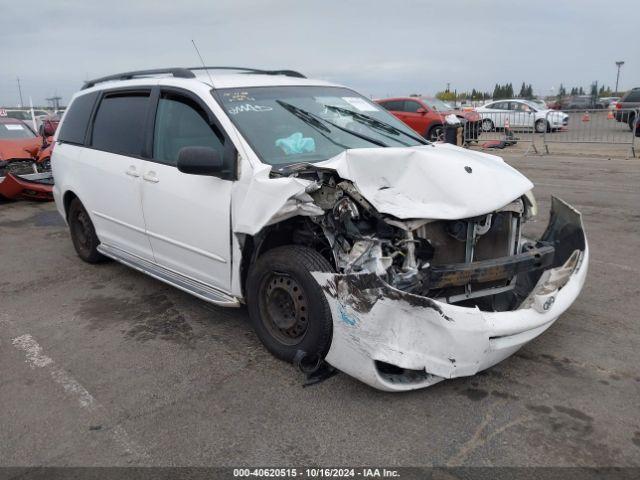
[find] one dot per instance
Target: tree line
(499, 91)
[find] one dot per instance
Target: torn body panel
(408, 183)
(395, 340)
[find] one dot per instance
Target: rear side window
(120, 122)
(633, 96)
(76, 120)
(394, 106)
(181, 122)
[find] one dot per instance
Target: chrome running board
(189, 285)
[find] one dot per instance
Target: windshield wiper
(313, 119)
(375, 123)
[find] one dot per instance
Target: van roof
(221, 77)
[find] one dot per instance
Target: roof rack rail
(176, 72)
(287, 73)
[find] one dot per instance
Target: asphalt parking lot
(101, 365)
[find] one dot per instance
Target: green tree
(562, 92)
(446, 96)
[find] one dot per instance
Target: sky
(380, 48)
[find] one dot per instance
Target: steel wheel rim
(82, 230)
(283, 308)
(487, 125)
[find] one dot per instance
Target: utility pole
(19, 91)
(618, 64)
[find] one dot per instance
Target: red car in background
(19, 146)
(24, 161)
(426, 115)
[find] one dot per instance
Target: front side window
(286, 125)
(180, 122)
(9, 131)
(411, 106)
(120, 122)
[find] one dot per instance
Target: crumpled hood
(440, 182)
(437, 181)
(19, 148)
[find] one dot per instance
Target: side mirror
(421, 110)
(200, 161)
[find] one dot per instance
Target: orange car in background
(25, 169)
(426, 116)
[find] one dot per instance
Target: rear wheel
(632, 121)
(83, 235)
(287, 307)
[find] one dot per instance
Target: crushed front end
(458, 298)
(433, 276)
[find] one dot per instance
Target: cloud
(379, 48)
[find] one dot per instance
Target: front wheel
(287, 307)
(487, 125)
(435, 133)
(541, 126)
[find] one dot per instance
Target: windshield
(310, 124)
(539, 103)
(437, 105)
(15, 130)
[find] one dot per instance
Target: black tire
(83, 235)
(287, 307)
(435, 133)
(487, 125)
(632, 121)
(541, 126)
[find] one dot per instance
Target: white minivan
(354, 243)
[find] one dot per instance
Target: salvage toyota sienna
(353, 242)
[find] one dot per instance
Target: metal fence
(615, 127)
(537, 131)
(503, 129)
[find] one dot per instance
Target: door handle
(131, 171)
(150, 177)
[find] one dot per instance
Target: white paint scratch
(617, 265)
(37, 359)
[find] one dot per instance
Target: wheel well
(66, 201)
(294, 231)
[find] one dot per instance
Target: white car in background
(521, 114)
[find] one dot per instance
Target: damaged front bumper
(394, 340)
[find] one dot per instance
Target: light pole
(618, 64)
(19, 91)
